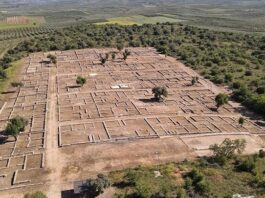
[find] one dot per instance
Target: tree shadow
(73, 86)
(45, 62)
(8, 92)
(69, 194)
(214, 109)
(3, 138)
(258, 119)
(121, 184)
(150, 100)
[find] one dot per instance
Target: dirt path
(53, 161)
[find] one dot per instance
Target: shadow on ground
(69, 194)
(149, 100)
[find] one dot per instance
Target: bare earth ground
(110, 123)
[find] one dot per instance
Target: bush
(236, 85)
(181, 193)
(260, 90)
(202, 188)
(261, 153)
(195, 176)
(242, 94)
(35, 195)
(3, 74)
(247, 165)
(248, 73)
(17, 84)
(228, 77)
(52, 58)
(221, 99)
(241, 120)
(95, 187)
(196, 179)
(80, 80)
(257, 103)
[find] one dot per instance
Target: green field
(139, 20)
(32, 22)
(7, 44)
(11, 72)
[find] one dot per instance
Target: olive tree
(120, 46)
(103, 59)
(227, 150)
(95, 187)
(113, 56)
(52, 58)
(17, 84)
(241, 121)
(126, 53)
(15, 126)
(80, 80)
(159, 93)
(194, 80)
(221, 99)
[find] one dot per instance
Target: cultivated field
(111, 122)
(139, 20)
(21, 22)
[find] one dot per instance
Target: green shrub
(80, 80)
(236, 85)
(37, 194)
(15, 126)
(248, 73)
(261, 153)
(221, 99)
(202, 188)
(196, 180)
(3, 74)
(242, 94)
(95, 187)
(247, 165)
(257, 103)
(17, 84)
(261, 90)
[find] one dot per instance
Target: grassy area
(222, 181)
(11, 72)
(31, 22)
(7, 44)
(139, 20)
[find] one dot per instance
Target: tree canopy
(80, 80)
(15, 126)
(227, 149)
(95, 187)
(159, 93)
(221, 99)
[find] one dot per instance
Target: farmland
(21, 22)
(139, 20)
